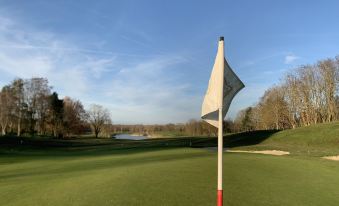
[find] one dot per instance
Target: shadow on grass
(45, 146)
(248, 138)
(13, 147)
(238, 139)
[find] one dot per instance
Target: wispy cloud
(290, 58)
(54, 48)
(148, 92)
(27, 53)
(136, 90)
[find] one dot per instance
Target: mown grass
(171, 171)
(181, 176)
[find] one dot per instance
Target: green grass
(169, 134)
(182, 176)
(316, 140)
(43, 171)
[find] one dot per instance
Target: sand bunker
(335, 158)
(269, 152)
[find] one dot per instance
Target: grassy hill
(315, 140)
(172, 171)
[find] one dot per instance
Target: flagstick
(220, 127)
(220, 148)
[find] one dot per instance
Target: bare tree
(270, 113)
(6, 108)
(74, 116)
(56, 113)
(37, 92)
(328, 73)
(98, 117)
(19, 102)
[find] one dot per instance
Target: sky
(150, 61)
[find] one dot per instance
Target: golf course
(172, 171)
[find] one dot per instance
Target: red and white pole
(220, 151)
(220, 126)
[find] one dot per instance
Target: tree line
(307, 95)
(190, 128)
(28, 106)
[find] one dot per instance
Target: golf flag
(222, 87)
(230, 83)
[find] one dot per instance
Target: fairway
(160, 176)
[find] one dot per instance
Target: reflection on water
(127, 136)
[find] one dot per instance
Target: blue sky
(150, 61)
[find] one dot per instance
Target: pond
(131, 137)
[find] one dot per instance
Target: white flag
(231, 85)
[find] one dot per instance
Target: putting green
(153, 176)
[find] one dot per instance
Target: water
(127, 136)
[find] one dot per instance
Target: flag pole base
(219, 198)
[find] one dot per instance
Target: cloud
(150, 94)
(289, 59)
(27, 53)
(142, 89)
